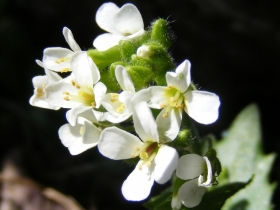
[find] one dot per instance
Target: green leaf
(241, 156)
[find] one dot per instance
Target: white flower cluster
(94, 113)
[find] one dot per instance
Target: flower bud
(102, 59)
(161, 33)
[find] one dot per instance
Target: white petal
(99, 91)
(53, 54)
(168, 127)
(84, 69)
(105, 41)
(105, 17)
(138, 184)
(124, 79)
(128, 20)
(190, 193)
(91, 133)
(72, 114)
(190, 166)
(176, 202)
(70, 137)
(138, 33)
(90, 115)
(208, 182)
(40, 63)
(114, 119)
(117, 144)
(119, 110)
(100, 116)
(52, 76)
(165, 163)
(182, 78)
(125, 97)
(157, 97)
(202, 106)
(111, 105)
(69, 134)
(54, 94)
(142, 95)
(144, 123)
(40, 81)
(39, 102)
(70, 39)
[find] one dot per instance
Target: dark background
(234, 48)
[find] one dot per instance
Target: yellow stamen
(64, 70)
(162, 106)
(121, 108)
(165, 115)
(81, 131)
(60, 60)
(114, 97)
(75, 84)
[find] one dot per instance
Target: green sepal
(138, 61)
(161, 33)
(139, 75)
(102, 59)
(127, 49)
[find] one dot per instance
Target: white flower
(157, 161)
(58, 58)
(198, 171)
(120, 106)
(121, 23)
(39, 84)
(81, 90)
(202, 106)
(83, 135)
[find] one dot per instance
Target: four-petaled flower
(121, 23)
(157, 161)
(202, 106)
(81, 90)
(82, 135)
(39, 83)
(120, 106)
(198, 171)
(59, 58)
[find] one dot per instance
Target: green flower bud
(139, 75)
(159, 57)
(127, 49)
(102, 59)
(161, 33)
(183, 137)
